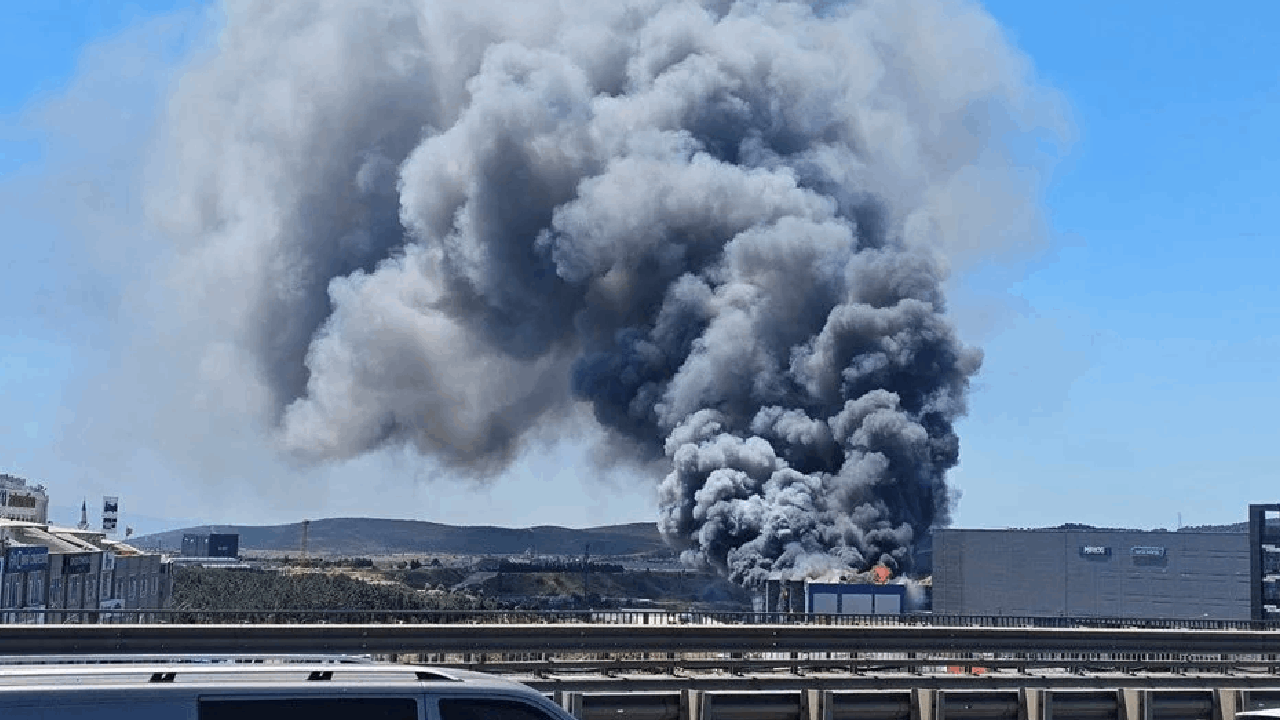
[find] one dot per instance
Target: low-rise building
(21, 501)
(56, 575)
(23, 582)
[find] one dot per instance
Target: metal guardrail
(808, 663)
(603, 639)
(610, 617)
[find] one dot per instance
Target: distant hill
(373, 536)
(1234, 528)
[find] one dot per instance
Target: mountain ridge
(386, 536)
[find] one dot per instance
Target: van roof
(240, 671)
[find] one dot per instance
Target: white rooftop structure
(21, 501)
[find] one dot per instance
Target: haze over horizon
(1128, 344)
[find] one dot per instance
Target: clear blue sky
(1131, 369)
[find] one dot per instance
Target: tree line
(300, 597)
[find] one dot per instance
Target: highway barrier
(549, 639)
(922, 704)
(608, 617)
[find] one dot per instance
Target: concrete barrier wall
(1082, 705)
(979, 704)
(1259, 699)
(1180, 705)
(611, 706)
(863, 705)
(923, 704)
(728, 705)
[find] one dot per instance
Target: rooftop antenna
(1179, 521)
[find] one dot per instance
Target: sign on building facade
(110, 513)
(26, 559)
(76, 564)
(1146, 551)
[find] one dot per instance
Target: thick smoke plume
(722, 226)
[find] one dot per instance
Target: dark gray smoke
(723, 226)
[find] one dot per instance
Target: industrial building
(1078, 571)
(828, 598)
(210, 545)
(1264, 561)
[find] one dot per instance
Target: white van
(188, 687)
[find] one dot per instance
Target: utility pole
(586, 573)
(306, 527)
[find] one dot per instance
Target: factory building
(855, 599)
(829, 598)
(1078, 571)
